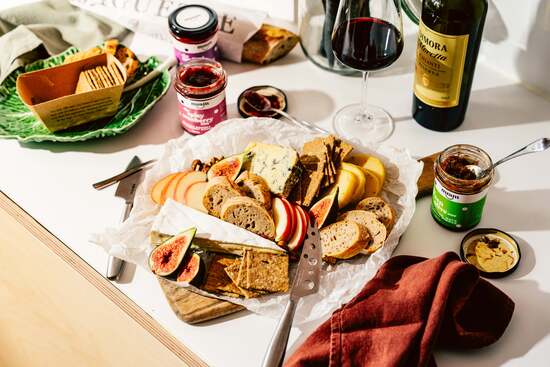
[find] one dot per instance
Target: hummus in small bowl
(493, 252)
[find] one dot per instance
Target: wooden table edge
(99, 282)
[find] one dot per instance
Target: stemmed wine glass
(367, 36)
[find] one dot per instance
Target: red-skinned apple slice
(282, 215)
(299, 234)
(193, 196)
(293, 217)
(189, 179)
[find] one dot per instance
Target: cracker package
(50, 93)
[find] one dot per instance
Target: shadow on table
(527, 262)
(234, 68)
(224, 319)
(127, 273)
(159, 125)
(530, 324)
(504, 106)
(518, 210)
(309, 104)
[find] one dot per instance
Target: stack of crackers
(99, 77)
(255, 273)
(320, 160)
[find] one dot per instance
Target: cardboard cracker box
(50, 94)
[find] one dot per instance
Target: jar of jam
(194, 29)
(200, 88)
(458, 194)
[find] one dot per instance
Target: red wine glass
(367, 36)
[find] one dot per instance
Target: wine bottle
(448, 43)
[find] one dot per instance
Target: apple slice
(189, 179)
(299, 234)
(193, 196)
(282, 215)
(171, 188)
(159, 188)
(293, 217)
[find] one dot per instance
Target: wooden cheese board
(193, 308)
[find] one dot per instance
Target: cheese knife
(126, 189)
(306, 282)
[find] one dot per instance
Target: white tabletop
(52, 182)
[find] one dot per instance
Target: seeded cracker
(115, 73)
(108, 75)
(268, 272)
(233, 273)
(217, 280)
(104, 77)
(90, 80)
(83, 85)
(345, 150)
(97, 79)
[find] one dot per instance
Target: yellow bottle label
(439, 66)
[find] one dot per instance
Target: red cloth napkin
(410, 306)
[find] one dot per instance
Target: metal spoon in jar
(265, 106)
(536, 146)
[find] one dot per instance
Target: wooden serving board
(194, 308)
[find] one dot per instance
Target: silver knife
(127, 190)
(306, 281)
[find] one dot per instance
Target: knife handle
(277, 347)
(114, 264)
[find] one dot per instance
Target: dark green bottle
(448, 43)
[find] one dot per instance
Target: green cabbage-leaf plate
(18, 122)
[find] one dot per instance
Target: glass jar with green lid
(458, 194)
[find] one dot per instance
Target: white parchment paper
(339, 283)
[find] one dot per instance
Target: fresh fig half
(325, 209)
(166, 258)
(191, 270)
(229, 167)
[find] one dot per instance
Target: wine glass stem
(364, 93)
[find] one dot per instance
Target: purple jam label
(187, 51)
(199, 116)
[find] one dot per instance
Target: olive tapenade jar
(458, 195)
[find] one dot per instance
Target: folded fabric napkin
(38, 30)
(409, 307)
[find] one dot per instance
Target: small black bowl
(266, 90)
(511, 241)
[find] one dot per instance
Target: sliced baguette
(218, 191)
(376, 229)
(247, 213)
(343, 240)
(255, 187)
(380, 208)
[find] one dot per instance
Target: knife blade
(306, 282)
(126, 189)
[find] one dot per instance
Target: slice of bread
(376, 229)
(268, 44)
(247, 213)
(218, 191)
(383, 211)
(343, 240)
(255, 187)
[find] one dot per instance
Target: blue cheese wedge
(278, 166)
